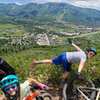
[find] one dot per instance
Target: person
(33, 93)
(28, 84)
(9, 86)
(66, 59)
(7, 73)
(5, 69)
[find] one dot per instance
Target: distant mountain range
(58, 12)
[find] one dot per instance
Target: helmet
(8, 80)
(93, 49)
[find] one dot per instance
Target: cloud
(95, 4)
(44, 1)
(81, 3)
(18, 3)
(15, 1)
(27, 1)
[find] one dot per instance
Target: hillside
(55, 12)
(41, 31)
(20, 53)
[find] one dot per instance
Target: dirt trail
(55, 92)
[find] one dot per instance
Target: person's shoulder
(24, 89)
(83, 53)
(25, 83)
(80, 50)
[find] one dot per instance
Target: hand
(79, 76)
(42, 86)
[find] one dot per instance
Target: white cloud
(44, 1)
(81, 3)
(95, 4)
(18, 3)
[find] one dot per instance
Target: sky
(95, 4)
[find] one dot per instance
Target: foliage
(19, 26)
(22, 60)
(49, 12)
(11, 30)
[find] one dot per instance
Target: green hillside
(11, 30)
(58, 12)
(21, 60)
(20, 24)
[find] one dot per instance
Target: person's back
(76, 56)
(24, 89)
(32, 95)
(27, 92)
(5, 69)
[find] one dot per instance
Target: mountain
(58, 12)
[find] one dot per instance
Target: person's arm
(77, 47)
(33, 81)
(81, 66)
(65, 75)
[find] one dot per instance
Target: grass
(22, 60)
(11, 30)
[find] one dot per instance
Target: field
(11, 30)
(20, 55)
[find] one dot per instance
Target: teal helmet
(8, 80)
(93, 49)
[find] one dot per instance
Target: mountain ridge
(53, 12)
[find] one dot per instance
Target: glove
(42, 86)
(79, 76)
